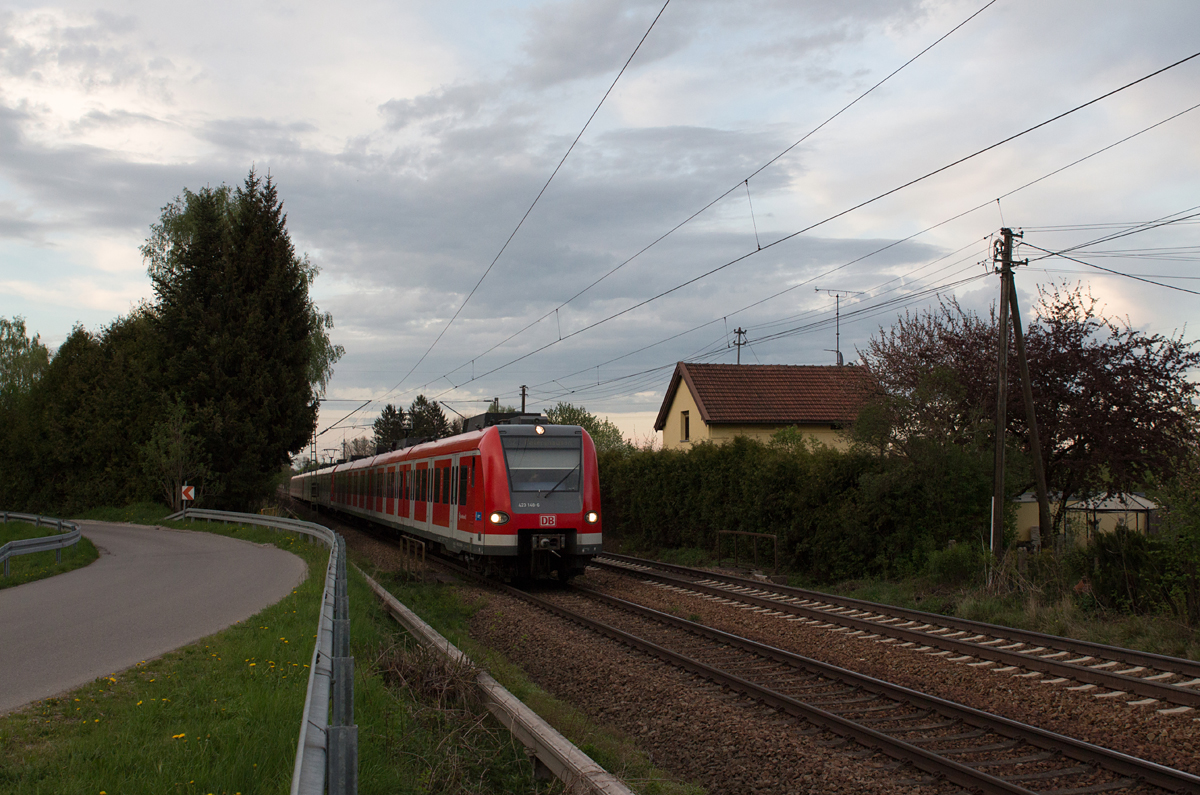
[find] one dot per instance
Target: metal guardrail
(327, 750)
(27, 546)
(578, 772)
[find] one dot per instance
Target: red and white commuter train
(517, 501)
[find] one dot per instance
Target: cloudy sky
(409, 139)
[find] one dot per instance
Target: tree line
(424, 420)
(214, 383)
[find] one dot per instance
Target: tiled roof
(746, 394)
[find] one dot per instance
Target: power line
(704, 351)
(744, 181)
(519, 223)
(1124, 227)
(1110, 270)
(842, 213)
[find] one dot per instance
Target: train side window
(473, 459)
(462, 485)
(445, 485)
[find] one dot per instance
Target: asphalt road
(152, 590)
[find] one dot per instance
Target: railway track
(927, 738)
(972, 749)
(1109, 672)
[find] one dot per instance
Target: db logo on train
(548, 521)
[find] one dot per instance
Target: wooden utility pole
(739, 341)
(1005, 252)
(1009, 306)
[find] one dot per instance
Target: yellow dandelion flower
(177, 737)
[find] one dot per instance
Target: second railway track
(1110, 671)
(970, 748)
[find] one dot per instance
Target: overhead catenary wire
(1124, 227)
(520, 223)
(1026, 185)
(732, 188)
(845, 212)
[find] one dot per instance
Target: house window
(685, 430)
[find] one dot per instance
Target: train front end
(549, 505)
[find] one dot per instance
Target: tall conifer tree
(244, 347)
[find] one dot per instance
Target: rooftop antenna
(837, 318)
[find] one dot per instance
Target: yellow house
(716, 402)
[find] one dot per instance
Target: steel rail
(1160, 662)
(920, 758)
(1029, 660)
(1115, 761)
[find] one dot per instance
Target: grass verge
(444, 608)
(39, 565)
(223, 715)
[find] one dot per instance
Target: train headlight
(498, 517)
(592, 517)
(539, 430)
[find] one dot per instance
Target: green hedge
(838, 515)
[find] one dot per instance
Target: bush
(837, 514)
(958, 565)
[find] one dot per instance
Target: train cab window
(543, 463)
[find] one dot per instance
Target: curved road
(152, 590)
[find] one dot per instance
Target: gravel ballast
(1171, 740)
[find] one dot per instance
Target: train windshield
(543, 463)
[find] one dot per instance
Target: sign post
(188, 495)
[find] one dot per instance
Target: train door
(405, 491)
(420, 501)
(466, 498)
(441, 488)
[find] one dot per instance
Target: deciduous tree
(605, 434)
(1114, 405)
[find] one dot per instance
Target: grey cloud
(586, 38)
(248, 138)
(456, 103)
(97, 54)
(86, 186)
(94, 120)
